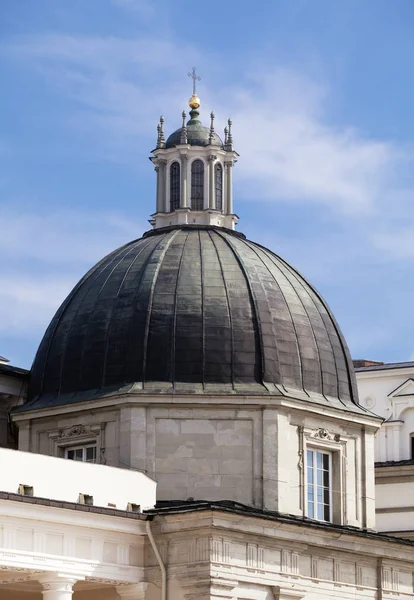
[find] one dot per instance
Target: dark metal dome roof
(193, 309)
(197, 135)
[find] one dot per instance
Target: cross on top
(194, 77)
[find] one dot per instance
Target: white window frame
(315, 450)
(82, 447)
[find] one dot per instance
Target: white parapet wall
(65, 480)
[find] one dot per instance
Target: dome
(193, 309)
(197, 135)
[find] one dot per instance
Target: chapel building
(204, 362)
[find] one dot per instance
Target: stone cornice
(144, 399)
(300, 535)
(69, 513)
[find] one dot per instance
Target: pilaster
(163, 186)
(24, 435)
(229, 187)
(158, 202)
(368, 480)
(184, 176)
(132, 435)
(270, 455)
(211, 192)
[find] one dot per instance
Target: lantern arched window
(219, 186)
(174, 186)
(197, 185)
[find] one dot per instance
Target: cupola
(194, 172)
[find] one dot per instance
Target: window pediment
(403, 390)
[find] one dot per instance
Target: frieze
(12, 580)
(74, 431)
(324, 434)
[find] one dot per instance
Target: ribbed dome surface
(193, 309)
(197, 135)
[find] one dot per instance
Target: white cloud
(27, 303)
(43, 256)
(396, 243)
(64, 237)
(288, 150)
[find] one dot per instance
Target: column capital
(135, 591)
(212, 157)
(56, 586)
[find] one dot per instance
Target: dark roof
(197, 134)
(395, 463)
(387, 366)
(365, 363)
(15, 371)
(180, 507)
(197, 310)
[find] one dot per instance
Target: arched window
(174, 186)
(219, 186)
(197, 185)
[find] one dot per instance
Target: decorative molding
(324, 434)
(73, 431)
(12, 580)
(76, 431)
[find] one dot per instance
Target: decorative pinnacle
(162, 137)
(229, 136)
(183, 137)
(210, 139)
(225, 136)
(158, 135)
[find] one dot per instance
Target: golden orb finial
(194, 101)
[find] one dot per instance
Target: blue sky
(321, 97)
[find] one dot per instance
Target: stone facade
(208, 552)
(388, 390)
(249, 451)
(221, 554)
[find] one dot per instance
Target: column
(211, 191)
(55, 587)
(158, 203)
(135, 591)
(229, 187)
(184, 166)
(163, 186)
